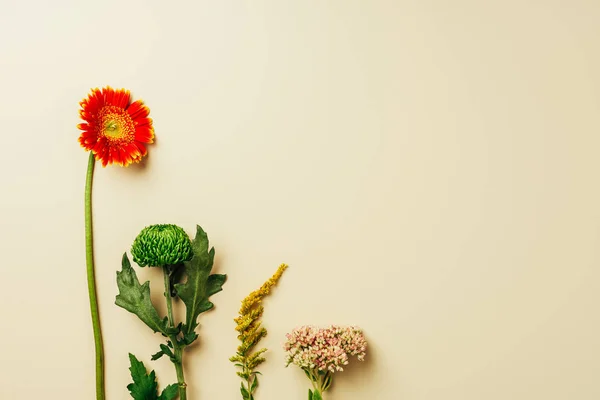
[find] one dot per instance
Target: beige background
(428, 169)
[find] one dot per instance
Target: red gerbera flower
(115, 130)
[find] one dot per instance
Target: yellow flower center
(116, 125)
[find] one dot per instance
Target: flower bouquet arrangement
(320, 352)
(116, 130)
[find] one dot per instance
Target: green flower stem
(168, 296)
(321, 381)
(179, 372)
(326, 381)
(176, 346)
(91, 280)
(249, 382)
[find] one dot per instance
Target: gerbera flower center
(116, 124)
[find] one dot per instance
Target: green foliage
(248, 393)
(200, 284)
(135, 298)
(244, 391)
(316, 395)
(169, 393)
(321, 381)
(144, 386)
(165, 351)
(196, 264)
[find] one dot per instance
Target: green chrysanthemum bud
(161, 245)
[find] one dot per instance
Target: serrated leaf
(135, 298)
(200, 285)
(169, 393)
(144, 386)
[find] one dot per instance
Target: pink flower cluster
(324, 349)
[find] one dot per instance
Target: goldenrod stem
(91, 280)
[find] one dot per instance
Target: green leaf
(317, 395)
(200, 285)
(135, 298)
(244, 391)
(327, 382)
(167, 351)
(169, 393)
(189, 338)
(144, 386)
(309, 375)
(158, 355)
(254, 384)
(310, 394)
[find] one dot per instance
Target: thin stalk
(249, 383)
(314, 380)
(168, 296)
(326, 381)
(176, 346)
(91, 280)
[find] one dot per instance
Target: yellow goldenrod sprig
(250, 331)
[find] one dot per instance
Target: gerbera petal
(125, 157)
(143, 121)
(145, 135)
(108, 94)
(96, 100)
(142, 149)
(84, 144)
(116, 152)
(133, 151)
(99, 149)
(111, 157)
(87, 141)
(92, 104)
(137, 109)
(123, 99)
